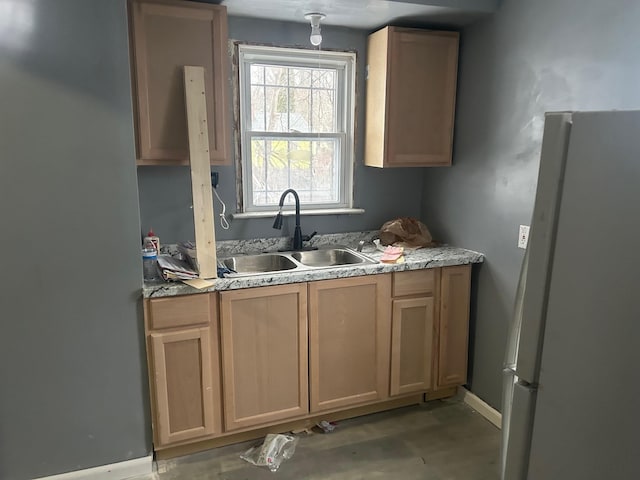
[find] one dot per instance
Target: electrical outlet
(523, 236)
(214, 179)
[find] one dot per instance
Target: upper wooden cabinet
(166, 36)
(410, 104)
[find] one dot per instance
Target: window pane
(257, 108)
(257, 74)
(277, 109)
(300, 77)
(300, 109)
(323, 78)
(275, 75)
(323, 116)
(309, 166)
(258, 171)
(295, 100)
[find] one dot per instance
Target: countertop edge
(418, 260)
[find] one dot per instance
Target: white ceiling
(366, 14)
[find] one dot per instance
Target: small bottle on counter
(153, 239)
(150, 263)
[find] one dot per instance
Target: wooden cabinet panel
(412, 345)
(349, 338)
(179, 311)
(414, 282)
(264, 354)
(187, 397)
(411, 90)
(454, 325)
(166, 36)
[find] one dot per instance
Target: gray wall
(529, 58)
(72, 376)
(165, 192)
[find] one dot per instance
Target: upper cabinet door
(166, 36)
(411, 90)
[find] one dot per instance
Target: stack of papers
(175, 269)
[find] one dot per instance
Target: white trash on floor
(275, 449)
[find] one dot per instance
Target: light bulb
(316, 37)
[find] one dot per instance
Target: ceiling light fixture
(316, 36)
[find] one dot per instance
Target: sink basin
(265, 263)
(330, 257)
(259, 263)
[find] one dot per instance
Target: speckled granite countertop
(414, 260)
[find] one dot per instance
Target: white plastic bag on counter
(275, 449)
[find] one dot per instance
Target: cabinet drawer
(415, 282)
(179, 311)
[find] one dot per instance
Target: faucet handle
(306, 238)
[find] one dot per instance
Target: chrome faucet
(298, 238)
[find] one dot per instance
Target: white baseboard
(113, 471)
(484, 409)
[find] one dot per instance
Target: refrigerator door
(510, 379)
(586, 423)
(520, 410)
(525, 333)
(555, 143)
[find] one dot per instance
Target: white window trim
(345, 61)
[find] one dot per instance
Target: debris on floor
(326, 427)
(275, 449)
(302, 431)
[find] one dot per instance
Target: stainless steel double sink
(294, 261)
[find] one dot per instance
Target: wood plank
(205, 235)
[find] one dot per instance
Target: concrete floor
(440, 440)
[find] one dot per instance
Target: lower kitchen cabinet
(184, 385)
(413, 332)
(264, 354)
(455, 290)
(349, 339)
(412, 345)
(292, 352)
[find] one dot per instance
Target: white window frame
(345, 64)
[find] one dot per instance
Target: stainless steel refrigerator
(571, 402)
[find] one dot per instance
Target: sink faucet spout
(297, 233)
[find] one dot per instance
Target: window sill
(291, 213)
